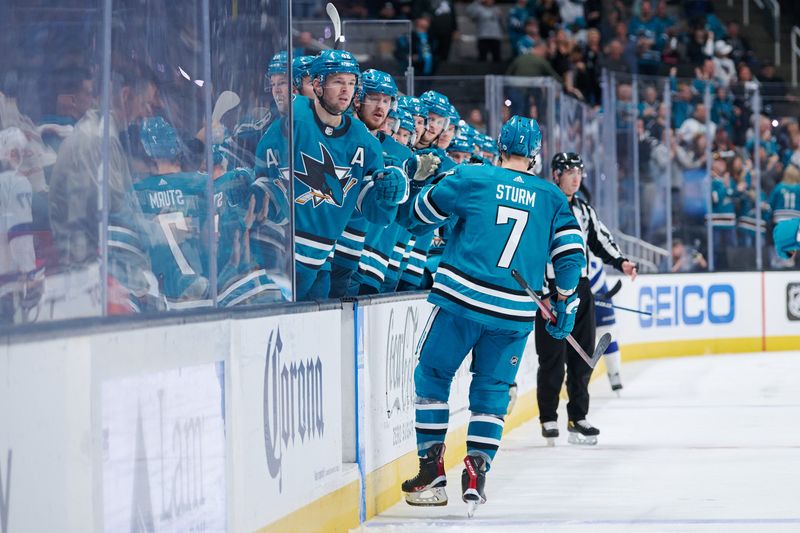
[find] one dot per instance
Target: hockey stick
(338, 37)
(225, 102)
(604, 303)
(599, 350)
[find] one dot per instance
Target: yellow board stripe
(334, 512)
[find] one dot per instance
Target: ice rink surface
(693, 444)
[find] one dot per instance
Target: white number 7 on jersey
(520, 218)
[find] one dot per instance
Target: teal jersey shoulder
(506, 220)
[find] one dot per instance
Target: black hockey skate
(427, 488)
(473, 478)
(582, 432)
(616, 382)
(550, 432)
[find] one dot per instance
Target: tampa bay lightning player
(507, 219)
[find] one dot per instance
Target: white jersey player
(17, 255)
(605, 322)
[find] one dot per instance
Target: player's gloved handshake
(564, 311)
(426, 166)
(391, 185)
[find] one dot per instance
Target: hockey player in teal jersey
(376, 96)
(301, 76)
(418, 111)
(338, 168)
(508, 219)
(786, 236)
(242, 145)
(442, 233)
(429, 160)
(460, 149)
(382, 250)
(177, 204)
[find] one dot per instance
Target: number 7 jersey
(506, 220)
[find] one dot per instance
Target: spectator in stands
(704, 77)
(486, 16)
(591, 13)
(681, 104)
(422, 58)
(534, 63)
(670, 58)
(701, 46)
(644, 21)
(740, 47)
(648, 58)
(724, 69)
(559, 52)
(549, 16)
(613, 57)
(745, 203)
(722, 112)
(773, 86)
(693, 155)
(648, 105)
(723, 212)
(684, 259)
(73, 96)
(696, 124)
(475, 119)
(517, 18)
(723, 144)
(443, 27)
(665, 23)
(587, 79)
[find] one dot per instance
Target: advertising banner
(288, 413)
(690, 307)
(782, 304)
(163, 452)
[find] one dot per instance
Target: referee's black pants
(554, 354)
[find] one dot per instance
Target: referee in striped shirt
(555, 354)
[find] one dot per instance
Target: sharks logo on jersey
(326, 181)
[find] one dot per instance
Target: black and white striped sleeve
(601, 242)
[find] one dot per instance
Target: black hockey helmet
(566, 160)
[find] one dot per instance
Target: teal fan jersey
(785, 201)
(506, 220)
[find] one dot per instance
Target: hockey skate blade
(601, 347)
(551, 442)
(582, 440)
(473, 500)
(432, 497)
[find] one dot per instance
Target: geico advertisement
(391, 334)
(163, 451)
(290, 411)
(689, 306)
